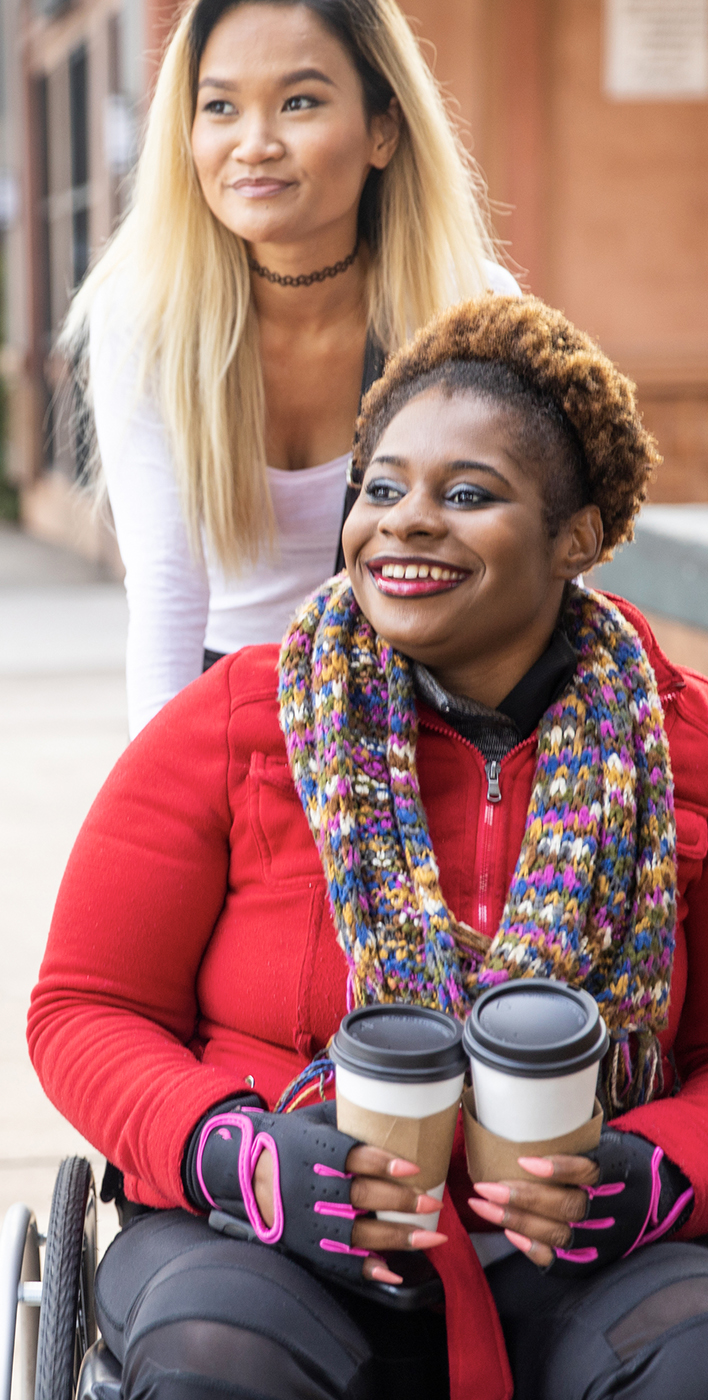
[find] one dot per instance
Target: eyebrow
(307, 75)
(460, 464)
(220, 83)
(300, 75)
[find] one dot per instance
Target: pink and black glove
(313, 1214)
(640, 1197)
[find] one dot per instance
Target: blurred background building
(75, 79)
(589, 119)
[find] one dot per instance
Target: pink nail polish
(399, 1167)
(493, 1191)
(383, 1275)
(427, 1205)
(537, 1166)
(425, 1239)
(494, 1214)
(522, 1242)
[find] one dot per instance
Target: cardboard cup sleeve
(425, 1141)
(491, 1158)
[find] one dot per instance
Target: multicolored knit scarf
(593, 898)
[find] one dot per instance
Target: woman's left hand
(537, 1216)
(633, 1195)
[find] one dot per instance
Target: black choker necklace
(305, 279)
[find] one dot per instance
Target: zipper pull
(493, 789)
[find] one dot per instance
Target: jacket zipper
(486, 837)
(485, 843)
(485, 825)
(493, 789)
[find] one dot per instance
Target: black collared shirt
(495, 732)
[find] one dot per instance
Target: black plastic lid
(406, 1044)
(536, 1029)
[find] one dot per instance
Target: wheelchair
(59, 1355)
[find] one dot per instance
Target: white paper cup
(535, 1048)
(530, 1110)
(400, 1075)
(398, 1099)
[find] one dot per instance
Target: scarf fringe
(317, 1076)
(631, 1080)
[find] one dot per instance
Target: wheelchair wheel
(67, 1320)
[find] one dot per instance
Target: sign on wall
(656, 49)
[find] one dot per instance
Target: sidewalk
(63, 724)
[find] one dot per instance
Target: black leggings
(192, 1314)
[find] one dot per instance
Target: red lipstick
(415, 578)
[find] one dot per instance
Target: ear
(386, 131)
(577, 546)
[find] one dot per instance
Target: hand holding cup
(535, 1047)
(382, 1181)
(537, 1216)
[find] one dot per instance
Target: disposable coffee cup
(535, 1049)
(399, 1075)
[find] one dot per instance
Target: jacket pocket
(286, 847)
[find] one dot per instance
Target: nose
(416, 513)
(256, 141)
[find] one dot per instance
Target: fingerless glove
(313, 1214)
(639, 1198)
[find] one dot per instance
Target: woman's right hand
(381, 1182)
(306, 1186)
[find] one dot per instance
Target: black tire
(67, 1319)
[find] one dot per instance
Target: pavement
(63, 724)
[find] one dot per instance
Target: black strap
(112, 1190)
(374, 361)
(211, 657)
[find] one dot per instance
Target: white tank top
(308, 512)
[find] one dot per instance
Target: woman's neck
(326, 303)
(489, 678)
(492, 679)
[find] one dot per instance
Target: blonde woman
(302, 205)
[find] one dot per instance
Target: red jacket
(192, 944)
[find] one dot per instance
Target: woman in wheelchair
(462, 767)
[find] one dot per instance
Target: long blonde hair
(195, 320)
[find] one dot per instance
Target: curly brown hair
(576, 415)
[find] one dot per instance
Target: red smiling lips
(405, 578)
